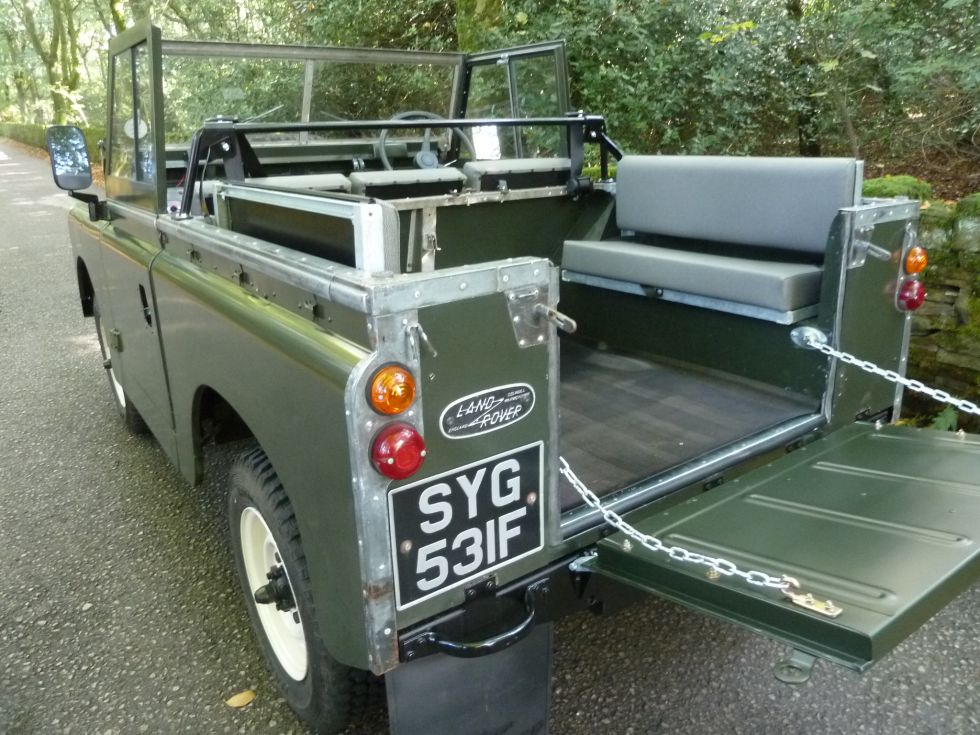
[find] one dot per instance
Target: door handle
(147, 313)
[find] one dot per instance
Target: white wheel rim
(116, 385)
(283, 628)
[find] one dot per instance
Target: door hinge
(115, 340)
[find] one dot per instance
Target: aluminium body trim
(878, 211)
(355, 289)
(391, 342)
(872, 212)
(903, 364)
(338, 54)
(365, 217)
(847, 244)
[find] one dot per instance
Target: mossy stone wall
(945, 347)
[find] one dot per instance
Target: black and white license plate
(461, 524)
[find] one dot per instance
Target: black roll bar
(226, 139)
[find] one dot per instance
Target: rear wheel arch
(213, 420)
(218, 413)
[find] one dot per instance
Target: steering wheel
(425, 158)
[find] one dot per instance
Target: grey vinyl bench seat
(777, 286)
(744, 235)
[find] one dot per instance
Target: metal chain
(721, 566)
(891, 376)
(724, 566)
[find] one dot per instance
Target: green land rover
(485, 384)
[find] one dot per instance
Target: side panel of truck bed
(286, 379)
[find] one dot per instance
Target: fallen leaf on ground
(241, 699)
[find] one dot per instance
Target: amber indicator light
(392, 390)
(916, 260)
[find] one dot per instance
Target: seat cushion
(771, 285)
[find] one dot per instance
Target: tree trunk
(21, 76)
(48, 52)
(806, 117)
(118, 15)
(71, 77)
(475, 20)
(852, 136)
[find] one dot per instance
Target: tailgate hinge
(808, 602)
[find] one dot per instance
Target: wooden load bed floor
(624, 419)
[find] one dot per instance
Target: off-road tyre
(329, 695)
(127, 412)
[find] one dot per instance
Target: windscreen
(296, 89)
(516, 86)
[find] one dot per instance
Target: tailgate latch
(531, 317)
(564, 322)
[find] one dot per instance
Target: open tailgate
(882, 522)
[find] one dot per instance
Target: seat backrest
(517, 173)
(784, 203)
(401, 183)
(316, 182)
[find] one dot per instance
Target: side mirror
(69, 157)
(71, 167)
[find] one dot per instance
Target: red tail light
(398, 451)
(911, 294)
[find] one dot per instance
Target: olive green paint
(286, 378)
(751, 348)
(477, 350)
(882, 522)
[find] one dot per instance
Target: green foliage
(33, 135)
(813, 77)
(935, 214)
(595, 172)
(969, 206)
(411, 24)
(894, 186)
(945, 420)
(28, 134)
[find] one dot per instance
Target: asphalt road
(119, 612)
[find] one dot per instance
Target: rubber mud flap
(506, 693)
